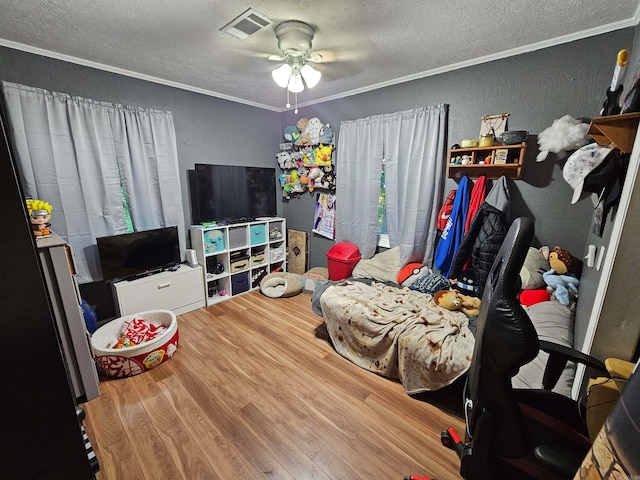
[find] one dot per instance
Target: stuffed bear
(453, 300)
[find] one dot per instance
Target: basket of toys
(136, 343)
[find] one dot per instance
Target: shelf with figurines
(305, 158)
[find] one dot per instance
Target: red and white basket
(129, 361)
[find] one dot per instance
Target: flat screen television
(139, 253)
(233, 193)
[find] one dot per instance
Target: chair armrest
(618, 368)
(559, 355)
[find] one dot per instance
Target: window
(383, 236)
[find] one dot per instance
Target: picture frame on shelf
(500, 156)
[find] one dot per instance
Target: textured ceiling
(364, 44)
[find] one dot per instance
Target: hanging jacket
(485, 236)
(454, 230)
(445, 211)
(478, 194)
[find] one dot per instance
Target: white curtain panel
(413, 145)
(358, 169)
(69, 151)
(415, 163)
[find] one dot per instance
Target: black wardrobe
(40, 434)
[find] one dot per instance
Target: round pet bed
(281, 284)
(129, 361)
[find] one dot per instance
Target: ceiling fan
(294, 41)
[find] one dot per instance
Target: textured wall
(208, 130)
(534, 88)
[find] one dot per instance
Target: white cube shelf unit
(236, 257)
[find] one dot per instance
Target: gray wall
(534, 88)
(208, 129)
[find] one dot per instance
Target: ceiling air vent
(246, 24)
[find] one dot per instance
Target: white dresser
(180, 291)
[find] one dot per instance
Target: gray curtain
(358, 169)
(413, 145)
(415, 165)
(74, 152)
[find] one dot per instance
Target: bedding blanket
(398, 333)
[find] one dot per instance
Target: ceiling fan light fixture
(295, 83)
(311, 75)
(281, 75)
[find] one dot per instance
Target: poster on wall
(325, 215)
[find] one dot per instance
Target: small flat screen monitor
(138, 253)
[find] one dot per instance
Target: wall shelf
(616, 130)
(511, 169)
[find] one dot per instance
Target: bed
(394, 331)
(401, 334)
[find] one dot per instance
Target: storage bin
(239, 263)
(129, 361)
(213, 241)
(239, 283)
(257, 258)
(237, 237)
(342, 259)
(258, 234)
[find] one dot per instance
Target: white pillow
(383, 266)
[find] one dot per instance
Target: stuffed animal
(535, 264)
(453, 300)
(323, 154)
(326, 134)
(315, 178)
(284, 160)
(313, 130)
(565, 133)
(291, 133)
(309, 156)
(304, 138)
(563, 287)
(563, 262)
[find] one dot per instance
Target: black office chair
(516, 433)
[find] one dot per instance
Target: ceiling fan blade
(276, 58)
(314, 57)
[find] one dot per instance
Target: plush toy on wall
(322, 154)
(453, 300)
(291, 134)
(326, 135)
(285, 160)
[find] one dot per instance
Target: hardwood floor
(256, 391)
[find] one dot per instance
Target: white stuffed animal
(565, 133)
